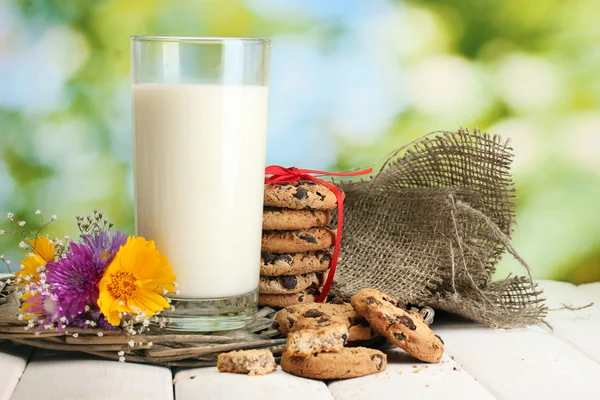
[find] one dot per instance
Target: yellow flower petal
(42, 247)
(134, 280)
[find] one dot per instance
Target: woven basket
(153, 347)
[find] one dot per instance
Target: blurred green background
(350, 81)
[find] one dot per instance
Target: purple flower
(46, 306)
(103, 246)
(74, 280)
(93, 315)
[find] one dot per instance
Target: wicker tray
(156, 346)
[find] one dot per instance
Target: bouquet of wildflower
(103, 279)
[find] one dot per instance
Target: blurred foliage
(350, 81)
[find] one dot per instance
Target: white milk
(199, 175)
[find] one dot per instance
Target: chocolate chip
(344, 338)
(364, 322)
(301, 193)
(437, 336)
(321, 196)
(372, 300)
(399, 336)
(289, 281)
(337, 300)
(291, 321)
(378, 359)
(322, 320)
(308, 239)
(313, 313)
(301, 298)
(276, 325)
(407, 321)
(313, 291)
(400, 306)
(289, 309)
(285, 258)
(268, 257)
(326, 257)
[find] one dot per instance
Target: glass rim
(198, 39)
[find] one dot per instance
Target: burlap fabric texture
(431, 226)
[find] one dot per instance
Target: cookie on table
(350, 362)
(251, 362)
(403, 328)
(319, 315)
(299, 241)
(272, 264)
(285, 219)
(307, 296)
(288, 284)
(300, 196)
(329, 339)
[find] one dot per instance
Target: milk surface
(199, 175)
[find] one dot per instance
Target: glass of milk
(199, 127)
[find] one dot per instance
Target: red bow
(280, 174)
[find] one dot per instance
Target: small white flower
(100, 334)
(20, 317)
(7, 262)
(150, 344)
(121, 303)
(63, 319)
(22, 244)
(1, 231)
(87, 308)
(122, 359)
(177, 292)
(75, 335)
(67, 237)
(87, 322)
(131, 343)
(22, 266)
(36, 333)
(121, 353)
(92, 324)
(53, 218)
(10, 215)
(37, 212)
(21, 223)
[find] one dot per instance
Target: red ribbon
(280, 174)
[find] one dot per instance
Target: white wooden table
(480, 363)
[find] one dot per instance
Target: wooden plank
(526, 364)
(577, 327)
(210, 384)
(13, 360)
(401, 379)
(50, 376)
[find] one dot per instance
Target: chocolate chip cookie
(300, 196)
(403, 328)
(285, 219)
(300, 241)
(307, 342)
(350, 362)
(251, 362)
(288, 284)
(272, 264)
(285, 300)
(318, 315)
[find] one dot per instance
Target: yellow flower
(135, 281)
(42, 252)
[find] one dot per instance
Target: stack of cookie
(296, 242)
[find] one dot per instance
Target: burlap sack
(431, 226)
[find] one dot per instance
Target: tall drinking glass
(200, 124)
